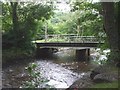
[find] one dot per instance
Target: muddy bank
(102, 74)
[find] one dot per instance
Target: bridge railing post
(70, 38)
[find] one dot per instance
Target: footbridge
(49, 43)
(67, 40)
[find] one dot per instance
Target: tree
(14, 15)
(111, 29)
(24, 18)
(118, 20)
(90, 19)
(15, 21)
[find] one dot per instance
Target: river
(62, 70)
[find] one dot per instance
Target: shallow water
(61, 71)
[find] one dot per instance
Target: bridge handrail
(72, 37)
(65, 35)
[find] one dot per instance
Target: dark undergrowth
(15, 56)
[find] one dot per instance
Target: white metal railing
(71, 38)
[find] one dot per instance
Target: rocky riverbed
(63, 71)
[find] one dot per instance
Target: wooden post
(46, 32)
(88, 54)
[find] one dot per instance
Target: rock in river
(98, 70)
(106, 77)
(104, 73)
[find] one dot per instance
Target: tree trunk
(111, 29)
(15, 21)
(14, 15)
(118, 25)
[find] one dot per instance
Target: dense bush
(20, 21)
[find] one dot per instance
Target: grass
(51, 40)
(106, 85)
(58, 40)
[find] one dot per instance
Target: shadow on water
(60, 68)
(46, 53)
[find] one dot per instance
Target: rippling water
(59, 76)
(61, 71)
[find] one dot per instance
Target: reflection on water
(61, 71)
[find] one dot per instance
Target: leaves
(28, 15)
(36, 79)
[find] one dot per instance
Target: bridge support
(83, 54)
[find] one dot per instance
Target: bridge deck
(48, 44)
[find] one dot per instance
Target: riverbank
(101, 80)
(61, 71)
(59, 76)
(15, 56)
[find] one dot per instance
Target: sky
(66, 7)
(63, 6)
(96, 0)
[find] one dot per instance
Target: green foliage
(88, 17)
(6, 18)
(106, 85)
(42, 25)
(28, 16)
(62, 23)
(52, 40)
(84, 14)
(35, 77)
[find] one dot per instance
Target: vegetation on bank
(11, 55)
(35, 77)
(106, 85)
